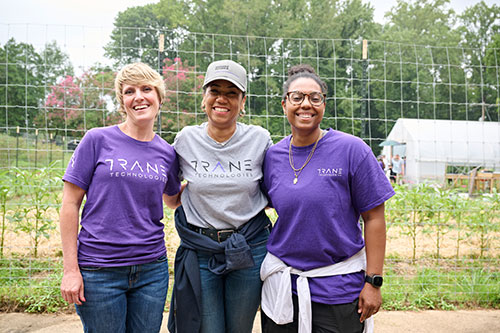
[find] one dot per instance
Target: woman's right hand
(72, 281)
(72, 288)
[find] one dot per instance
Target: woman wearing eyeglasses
(320, 275)
(221, 223)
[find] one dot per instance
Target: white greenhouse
(432, 145)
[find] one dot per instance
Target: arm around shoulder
(174, 201)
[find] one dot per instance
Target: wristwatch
(375, 280)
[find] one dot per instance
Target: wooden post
(161, 43)
(36, 147)
(364, 92)
(365, 50)
(17, 146)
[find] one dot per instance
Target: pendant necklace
(297, 172)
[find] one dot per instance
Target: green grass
(29, 152)
(472, 285)
(33, 286)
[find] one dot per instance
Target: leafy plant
(482, 220)
(5, 191)
(31, 217)
(438, 203)
(458, 208)
(410, 210)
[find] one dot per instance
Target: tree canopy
(426, 61)
(24, 77)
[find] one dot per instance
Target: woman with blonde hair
(115, 267)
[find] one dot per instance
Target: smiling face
(304, 118)
(222, 102)
(141, 103)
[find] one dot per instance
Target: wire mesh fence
(437, 107)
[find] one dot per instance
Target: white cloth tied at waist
(277, 288)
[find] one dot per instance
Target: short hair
(138, 73)
(302, 71)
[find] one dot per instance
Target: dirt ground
(460, 321)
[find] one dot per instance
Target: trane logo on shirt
(330, 172)
(121, 167)
(218, 169)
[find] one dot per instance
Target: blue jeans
(229, 302)
(124, 299)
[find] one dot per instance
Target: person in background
(392, 175)
(380, 160)
(320, 275)
(384, 159)
(397, 168)
(221, 223)
(115, 268)
(403, 169)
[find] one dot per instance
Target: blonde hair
(138, 73)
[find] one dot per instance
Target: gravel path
(461, 321)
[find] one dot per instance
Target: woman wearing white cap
(221, 222)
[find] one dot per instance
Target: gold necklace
(290, 158)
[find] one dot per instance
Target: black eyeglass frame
(304, 97)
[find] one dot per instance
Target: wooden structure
(475, 181)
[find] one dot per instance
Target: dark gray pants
(338, 318)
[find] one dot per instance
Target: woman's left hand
(370, 300)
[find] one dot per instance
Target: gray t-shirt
(223, 188)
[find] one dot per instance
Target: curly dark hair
(303, 71)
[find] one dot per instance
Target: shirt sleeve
(266, 179)
(81, 166)
(369, 186)
(173, 185)
(178, 142)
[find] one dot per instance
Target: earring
(242, 112)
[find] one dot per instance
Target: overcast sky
(82, 27)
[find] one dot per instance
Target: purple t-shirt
(318, 223)
(124, 180)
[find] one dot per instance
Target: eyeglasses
(297, 97)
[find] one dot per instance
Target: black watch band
(375, 280)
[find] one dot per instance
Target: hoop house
(432, 145)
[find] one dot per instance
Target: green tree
(417, 74)
(479, 27)
(492, 62)
(135, 36)
(21, 84)
(55, 63)
(290, 32)
(424, 22)
(24, 74)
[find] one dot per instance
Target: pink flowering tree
(182, 105)
(78, 103)
(63, 103)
